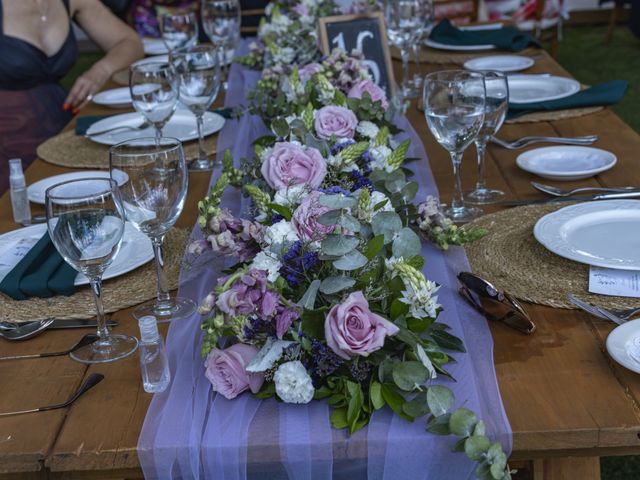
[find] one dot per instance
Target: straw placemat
(512, 259)
(446, 57)
(555, 115)
(71, 150)
(118, 293)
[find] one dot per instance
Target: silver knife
(580, 198)
(79, 323)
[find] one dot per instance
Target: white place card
(609, 281)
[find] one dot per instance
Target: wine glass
(454, 109)
(179, 31)
(154, 93)
(404, 21)
(86, 223)
(495, 111)
(152, 200)
(425, 31)
(199, 79)
(221, 23)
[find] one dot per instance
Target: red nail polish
(75, 111)
(65, 106)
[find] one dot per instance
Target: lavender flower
(233, 236)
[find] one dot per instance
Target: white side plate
(621, 341)
(182, 126)
(36, 190)
(500, 63)
(603, 233)
(114, 98)
(135, 251)
(566, 162)
(540, 88)
(154, 46)
(155, 59)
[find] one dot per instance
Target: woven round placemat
(118, 293)
(511, 258)
(446, 57)
(71, 150)
(555, 115)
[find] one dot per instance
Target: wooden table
(567, 401)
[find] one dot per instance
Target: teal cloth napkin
(608, 93)
(505, 38)
(42, 272)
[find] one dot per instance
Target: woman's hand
(87, 85)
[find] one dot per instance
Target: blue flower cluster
(275, 218)
(256, 325)
(335, 190)
(360, 181)
(323, 362)
(295, 263)
(360, 371)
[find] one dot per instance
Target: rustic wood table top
(563, 395)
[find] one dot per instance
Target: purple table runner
(190, 432)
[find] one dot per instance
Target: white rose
(293, 383)
(379, 156)
(280, 232)
(265, 261)
(367, 129)
(291, 196)
(378, 197)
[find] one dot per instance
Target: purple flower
(225, 369)
(285, 319)
(292, 164)
(305, 219)
(308, 71)
(245, 295)
(234, 236)
(301, 9)
(198, 246)
(338, 121)
(376, 93)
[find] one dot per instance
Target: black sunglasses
(501, 306)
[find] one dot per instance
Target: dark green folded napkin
(42, 272)
(608, 93)
(505, 38)
(83, 123)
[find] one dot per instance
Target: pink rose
(292, 164)
(226, 370)
(305, 219)
(352, 329)
(376, 93)
(338, 121)
(308, 71)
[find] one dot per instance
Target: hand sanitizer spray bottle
(19, 199)
(153, 360)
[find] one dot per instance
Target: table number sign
(365, 33)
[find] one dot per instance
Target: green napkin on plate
(505, 38)
(42, 272)
(608, 93)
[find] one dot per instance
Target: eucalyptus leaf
(269, 354)
(406, 244)
(374, 246)
(331, 285)
(337, 201)
(417, 407)
(351, 261)
(330, 218)
(438, 425)
(476, 446)
(308, 300)
(408, 375)
(462, 422)
(338, 245)
(440, 399)
(280, 127)
(426, 361)
(395, 401)
(409, 191)
(375, 394)
(349, 222)
(387, 224)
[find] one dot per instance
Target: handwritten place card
(609, 281)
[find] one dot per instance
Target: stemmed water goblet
(152, 199)
(221, 23)
(179, 30)
(404, 21)
(86, 222)
(495, 111)
(454, 109)
(198, 74)
(416, 47)
(154, 93)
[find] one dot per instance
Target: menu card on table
(609, 281)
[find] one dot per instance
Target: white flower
(268, 262)
(291, 196)
(366, 213)
(293, 383)
(378, 197)
(422, 302)
(379, 156)
(284, 55)
(367, 129)
(280, 232)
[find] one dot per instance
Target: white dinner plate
(500, 63)
(154, 46)
(458, 48)
(36, 190)
(566, 162)
(603, 233)
(623, 344)
(114, 98)
(182, 126)
(135, 251)
(155, 59)
(540, 88)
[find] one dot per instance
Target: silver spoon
(559, 192)
(88, 339)
(524, 141)
(22, 332)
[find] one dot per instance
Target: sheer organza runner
(190, 432)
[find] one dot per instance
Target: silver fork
(142, 126)
(524, 141)
(616, 316)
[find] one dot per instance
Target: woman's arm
(117, 39)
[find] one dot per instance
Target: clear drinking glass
(495, 111)
(179, 31)
(154, 93)
(454, 109)
(404, 20)
(221, 23)
(416, 47)
(86, 223)
(152, 200)
(198, 74)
